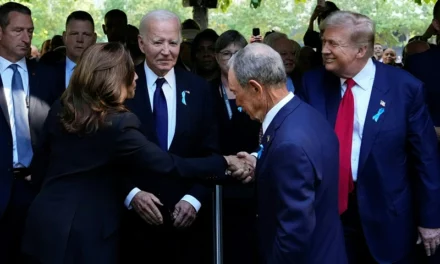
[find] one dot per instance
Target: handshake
(241, 166)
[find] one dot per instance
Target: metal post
(218, 218)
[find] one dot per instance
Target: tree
(394, 18)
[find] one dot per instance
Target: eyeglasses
(226, 55)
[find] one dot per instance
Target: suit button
(256, 215)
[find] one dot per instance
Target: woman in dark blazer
(89, 137)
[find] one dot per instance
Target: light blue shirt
(290, 86)
(70, 66)
(6, 75)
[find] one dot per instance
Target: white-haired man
(389, 173)
(174, 108)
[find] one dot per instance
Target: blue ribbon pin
(377, 115)
(260, 152)
(183, 97)
(240, 109)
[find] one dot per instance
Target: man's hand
(258, 38)
(437, 131)
(430, 239)
(184, 214)
(252, 161)
(239, 168)
(145, 204)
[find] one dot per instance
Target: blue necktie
(22, 132)
(160, 113)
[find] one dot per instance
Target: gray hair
(158, 15)
(258, 62)
(362, 28)
(274, 37)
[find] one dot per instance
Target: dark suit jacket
(386, 190)
(297, 186)
(76, 215)
(42, 93)
(424, 66)
(195, 134)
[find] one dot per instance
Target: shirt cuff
(255, 154)
(130, 197)
(193, 201)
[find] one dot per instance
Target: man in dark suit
(385, 133)
(79, 35)
(24, 103)
(175, 109)
(425, 67)
(297, 171)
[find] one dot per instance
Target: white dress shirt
(169, 90)
(274, 111)
(70, 66)
(361, 93)
(6, 75)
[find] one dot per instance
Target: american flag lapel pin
(382, 103)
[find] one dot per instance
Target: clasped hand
(242, 166)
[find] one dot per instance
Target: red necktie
(344, 131)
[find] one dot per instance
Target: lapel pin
(378, 114)
(268, 138)
(382, 103)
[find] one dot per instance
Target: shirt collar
(70, 64)
(363, 78)
(152, 77)
(274, 111)
(4, 64)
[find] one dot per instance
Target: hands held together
(242, 166)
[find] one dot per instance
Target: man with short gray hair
(388, 172)
(296, 166)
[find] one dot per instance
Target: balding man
(385, 133)
(174, 108)
(297, 181)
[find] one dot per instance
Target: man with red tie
(389, 178)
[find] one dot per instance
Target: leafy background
(396, 20)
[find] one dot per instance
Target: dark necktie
(160, 113)
(344, 131)
(22, 132)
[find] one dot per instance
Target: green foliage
(394, 18)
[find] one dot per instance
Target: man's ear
(104, 28)
(255, 86)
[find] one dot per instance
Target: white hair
(362, 28)
(274, 37)
(158, 15)
(258, 62)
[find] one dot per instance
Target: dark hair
(436, 12)
(330, 7)
(229, 37)
(207, 34)
(190, 24)
(56, 41)
(96, 86)
(9, 7)
(80, 15)
(116, 13)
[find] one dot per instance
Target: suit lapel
(183, 103)
(270, 133)
(3, 104)
(379, 94)
(332, 97)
